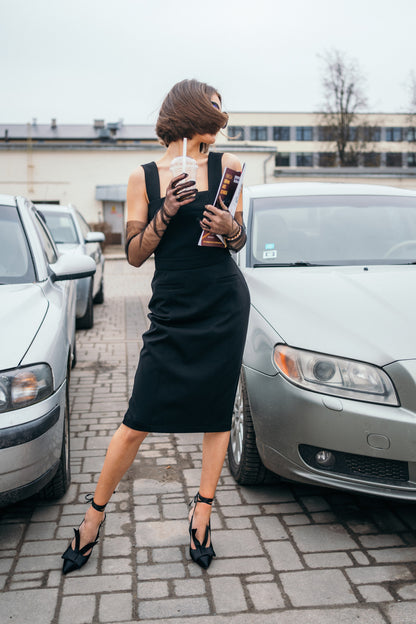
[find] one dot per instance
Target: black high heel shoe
(201, 554)
(75, 558)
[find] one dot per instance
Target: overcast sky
(78, 60)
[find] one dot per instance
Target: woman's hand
(178, 194)
(219, 220)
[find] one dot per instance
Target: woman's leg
(120, 455)
(214, 448)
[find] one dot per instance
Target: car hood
(22, 310)
(364, 313)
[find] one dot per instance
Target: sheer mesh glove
(142, 238)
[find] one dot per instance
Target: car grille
(370, 468)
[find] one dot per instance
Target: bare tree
(344, 97)
(411, 117)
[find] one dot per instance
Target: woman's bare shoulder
(229, 160)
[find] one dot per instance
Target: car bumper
(293, 424)
(30, 450)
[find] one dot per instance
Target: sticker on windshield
(272, 253)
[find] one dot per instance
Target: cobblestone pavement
(286, 553)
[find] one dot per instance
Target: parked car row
(39, 287)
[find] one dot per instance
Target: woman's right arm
(142, 237)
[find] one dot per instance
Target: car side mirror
(95, 237)
(69, 267)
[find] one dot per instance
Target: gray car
(327, 393)
(73, 235)
(37, 338)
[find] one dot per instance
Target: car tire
(99, 297)
(243, 457)
(57, 487)
(87, 321)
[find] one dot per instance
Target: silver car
(327, 393)
(37, 338)
(72, 234)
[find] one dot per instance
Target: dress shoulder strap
(151, 174)
(214, 169)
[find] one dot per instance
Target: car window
(333, 230)
(46, 241)
(62, 227)
(16, 265)
(85, 228)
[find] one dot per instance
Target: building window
(326, 133)
(411, 134)
(327, 159)
(393, 159)
(304, 133)
(236, 132)
(371, 159)
(282, 159)
(258, 133)
(394, 134)
(281, 133)
(370, 134)
(304, 159)
(411, 159)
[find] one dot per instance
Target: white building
(89, 165)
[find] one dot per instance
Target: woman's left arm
(221, 221)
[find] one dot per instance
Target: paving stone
(380, 541)
(162, 555)
(283, 556)
(317, 588)
(401, 613)
(270, 528)
(77, 610)
(97, 584)
(115, 606)
(155, 589)
(379, 574)
(189, 587)
(36, 606)
(228, 594)
(247, 565)
(407, 592)
(328, 560)
(235, 543)
(317, 538)
(163, 533)
(393, 555)
(173, 607)
(160, 571)
(374, 593)
(266, 596)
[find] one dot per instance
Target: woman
(189, 365)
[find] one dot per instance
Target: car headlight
(336, 376)
(24, 386)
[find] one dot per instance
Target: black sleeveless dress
(191, 357)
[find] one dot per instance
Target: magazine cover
(229, 191)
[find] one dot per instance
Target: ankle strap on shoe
(89, 498)
(201, 499)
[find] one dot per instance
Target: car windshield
(62, 227)
(332, 230)
(16, 265)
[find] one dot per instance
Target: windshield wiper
(301, 263)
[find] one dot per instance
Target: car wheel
(87, 321)
(99, 297)
(243, 457)
(57, 487)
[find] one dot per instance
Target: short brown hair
(187, 110)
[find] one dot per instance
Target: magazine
(229, 191)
